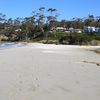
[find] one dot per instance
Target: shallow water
(4, 45)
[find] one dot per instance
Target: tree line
(38, 25)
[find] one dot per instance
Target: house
(60, 29)
(97, 30)
(90, 29)
(18, 30)
(72, 30)
(57, 29)
(63, 29)
(78, 30)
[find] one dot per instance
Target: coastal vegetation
(41, 27)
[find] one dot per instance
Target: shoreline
(5, 45)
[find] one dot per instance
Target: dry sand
(49, 72)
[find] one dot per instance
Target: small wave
(9, 45)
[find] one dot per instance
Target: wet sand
(49, 72)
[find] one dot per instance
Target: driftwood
(97, 63)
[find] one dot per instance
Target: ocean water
(5, 45)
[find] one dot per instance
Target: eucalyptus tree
(41, 18)
(2, 17)
(17, 22)
(52, 17)
(39, 21)
(97, 21)
(25, 27)
(9, 26)
(10, 21)
(63, 23)
(2, 20)
(89, 21)
(51, 21)
(77, 23)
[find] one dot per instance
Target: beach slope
(49, 72)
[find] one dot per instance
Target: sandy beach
(49, 72)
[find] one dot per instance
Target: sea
(6, 45)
